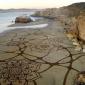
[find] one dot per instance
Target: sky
(6, 4)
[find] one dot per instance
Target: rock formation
(71, 11)
(80, 80)
(78, 27)
(81, 26)
(49, 13)
(23, 19)
(76, 31)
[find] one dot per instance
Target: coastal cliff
(71, 10)
(72, 18)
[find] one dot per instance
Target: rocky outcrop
(76, 31)
(77, 26)
(81, 26)
(70, 11)
(49, 13)
(23, 19)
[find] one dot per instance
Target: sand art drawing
(29, 54)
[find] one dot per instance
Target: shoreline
(28, 26)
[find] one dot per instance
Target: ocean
(7, 18)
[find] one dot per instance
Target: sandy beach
(46, 52)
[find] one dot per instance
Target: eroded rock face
(76, 30)
(81, 26)
(22, 19)
(49, 13)
(73, 27)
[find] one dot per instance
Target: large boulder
(23, 19)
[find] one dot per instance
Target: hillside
(76, 8)
(80, 5)
(71, 10)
